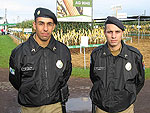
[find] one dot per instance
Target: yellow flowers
(70, 33)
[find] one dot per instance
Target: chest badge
(59, 64)
(128, 66)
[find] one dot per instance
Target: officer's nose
(113, 35)
(45, 28)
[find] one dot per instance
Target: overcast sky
(19, 10)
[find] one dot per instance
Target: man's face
(44, 28)
(113, 35)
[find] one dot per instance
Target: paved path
(79, 101)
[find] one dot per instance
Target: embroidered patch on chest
(27, 68)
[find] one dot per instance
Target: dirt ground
(79, 87)
(143, 46)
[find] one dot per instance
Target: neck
(114, 48)
(41, 42)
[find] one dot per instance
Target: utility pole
(5, 20)
(139, 28)
(5, 13)
(144, 12)
(115, 8)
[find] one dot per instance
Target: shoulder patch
(12, 71)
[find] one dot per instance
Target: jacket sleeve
(140, 78)
(14, 72)
(67, 71)
(93, 77)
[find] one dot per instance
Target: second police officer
(116, 71)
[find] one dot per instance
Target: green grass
(80, 72)
(6, 46)
(147, 73)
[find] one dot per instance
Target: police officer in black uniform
(116, 71)
(41, 67)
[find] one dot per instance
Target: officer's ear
(122, 33)
(54, 26)
(105, 29)
(34, 25)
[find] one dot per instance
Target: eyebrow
(45, 22)
(113, 30)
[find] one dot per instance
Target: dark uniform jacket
(116, 79)
(39, 73)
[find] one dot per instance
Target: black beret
(43, 12)
(115, 21)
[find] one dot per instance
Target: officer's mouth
(113, 41)
(45, 34)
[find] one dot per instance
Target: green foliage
(65, 26)
(6, 46)
(25, 24)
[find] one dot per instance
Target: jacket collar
(35, 47)
(52, 44)
(124, 52)
(106, 51)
